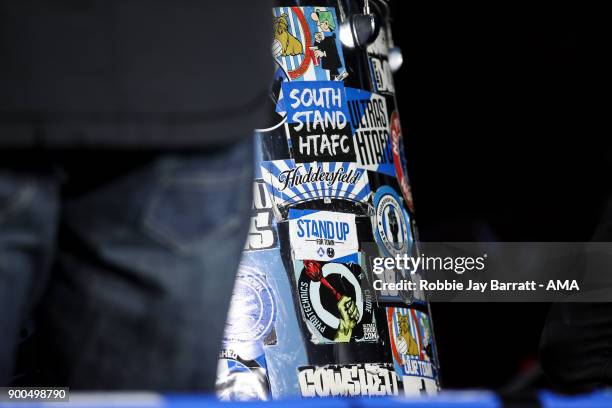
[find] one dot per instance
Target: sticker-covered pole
(311, 316)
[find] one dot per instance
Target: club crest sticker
(391, 223)
(290, 182)
(242, 370)
(278, 350)
(335, 302)
(306, 45)
(322, 235)
(252, 311)
(351, 380)
(412, 346)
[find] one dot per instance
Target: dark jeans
(128, 270)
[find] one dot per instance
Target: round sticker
(253, 309)
(391, 223)
(334, 299)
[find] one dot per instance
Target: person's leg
(28, 219)
(145, 274)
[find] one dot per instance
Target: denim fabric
(28, 223)
(143, 274)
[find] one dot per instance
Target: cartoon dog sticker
(285, 44)
(406, 344)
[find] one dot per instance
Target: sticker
(335, 301)
(412, 344)
(322, 235)
(262, 230)
(378, 56)
(354, 380)
(291, 182)
(306, 46)
(240, 379)
(385, 282)
(317, 122)
(391, 223)
(252, 311)
(399, 159)
(370, 125)
(284, 348)
(241, 370)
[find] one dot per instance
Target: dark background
(497, 132)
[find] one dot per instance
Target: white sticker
(322, 235)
